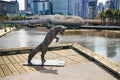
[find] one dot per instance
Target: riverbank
(2, 32)
(99, 28)
(93, 32)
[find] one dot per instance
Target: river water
(104, 43)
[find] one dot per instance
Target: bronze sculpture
(43, 47)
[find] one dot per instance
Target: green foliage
(116, 14)
(100, 15)
(4, 18)
(110, 15)
(18, 17)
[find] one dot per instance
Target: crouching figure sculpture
(43, 47)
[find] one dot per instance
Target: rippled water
(104, 43)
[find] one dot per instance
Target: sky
(21, 3)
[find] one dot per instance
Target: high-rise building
(76, 7)
(60, 6)
(15, 2)
(28, 5)
(118, 4)
(92, 9)
(79, 8)
(43, 7)
(113, 4)
(100, 7)
(107, 5)
(85, 9)
(11, 7)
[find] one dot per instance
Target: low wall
(11, 51)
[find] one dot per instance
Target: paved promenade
(2, 32)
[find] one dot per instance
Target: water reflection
(101, 45)
(101, 42)
(22, 35)
(104, 33)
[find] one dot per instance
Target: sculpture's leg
(43, 56)
(57, 39)
(32, 54)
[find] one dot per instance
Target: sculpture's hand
(57, 39)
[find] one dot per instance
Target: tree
(101, 15)
(2, 17)
(109, 15)
(119, 18)
(18, 17)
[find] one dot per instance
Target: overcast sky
(21, 3)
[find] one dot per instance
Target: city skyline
(22, 6)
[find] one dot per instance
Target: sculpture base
(47, 63)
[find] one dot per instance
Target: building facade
(100, 7)
(7, 8)
(28, 5)
(92, 9)
(87, 9)
(42, 7)
(79, 8)
(118, 4)
(76, 7)
(48, 6)
(60, 6)
(113, 4)
(107, 5)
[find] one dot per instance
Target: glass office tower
(60, 6)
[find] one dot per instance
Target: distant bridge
(51, 19)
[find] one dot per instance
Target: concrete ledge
(112, 66)
(22, 50)
(2, 33)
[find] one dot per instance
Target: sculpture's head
(62, 30)
(58, 29)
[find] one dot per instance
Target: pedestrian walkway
(3, 32)
(85, 71)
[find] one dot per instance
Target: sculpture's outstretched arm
(57, 39)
